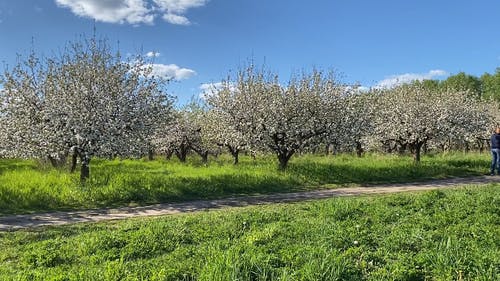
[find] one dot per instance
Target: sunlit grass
(436, 235)
(27, 186)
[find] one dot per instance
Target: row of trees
(255, 112)
(89, 102)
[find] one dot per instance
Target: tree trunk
(253, 154)
(85, 169)
(57, 163)
(168, 154)
(204, 157)
(416, 155)
(203, 154)
(386, 145)
(151, 155)
(73, 161)
(235, 153)
(181, 153)
(416, 149)
(283, 158)
(181, 156)
(84, 172)
(359, 149)
(402, 148)
(335, 149)
(480, 144)
(443, 148)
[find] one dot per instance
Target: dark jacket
(495, 141)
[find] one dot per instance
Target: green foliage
(463, 82)
(491, 85)
(487, 86)
(436, 235)
(26, 186)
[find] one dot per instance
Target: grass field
(437, 235)
(27, 186)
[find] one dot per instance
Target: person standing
(495, 152)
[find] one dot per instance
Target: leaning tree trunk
(57, 162)
(204, 156)
(181, 155)
(203, 153)
(402, 148)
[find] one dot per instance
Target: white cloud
(152, 54)
(133, 11)
(111, 11)
(179, 6)
(208, 89)
(176, 19)
(171, 71)
(395, 80)
(175, 9)
(363, 89)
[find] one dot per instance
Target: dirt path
(59, 218)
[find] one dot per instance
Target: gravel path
(16, 222)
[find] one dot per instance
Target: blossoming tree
(412, 115)
(87, 101)
(266, 115)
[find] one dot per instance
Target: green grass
(27, 186)
(436, 235)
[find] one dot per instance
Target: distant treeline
(487, 86)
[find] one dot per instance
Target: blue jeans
(495, 160)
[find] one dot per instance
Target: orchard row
(89, 101)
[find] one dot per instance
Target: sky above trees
(196, 42)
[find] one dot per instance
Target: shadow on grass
(348, 174)
(180, 189)
(132, 183)
(15, 164)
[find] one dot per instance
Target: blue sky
(201, 41)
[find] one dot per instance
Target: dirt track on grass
(16, 222)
